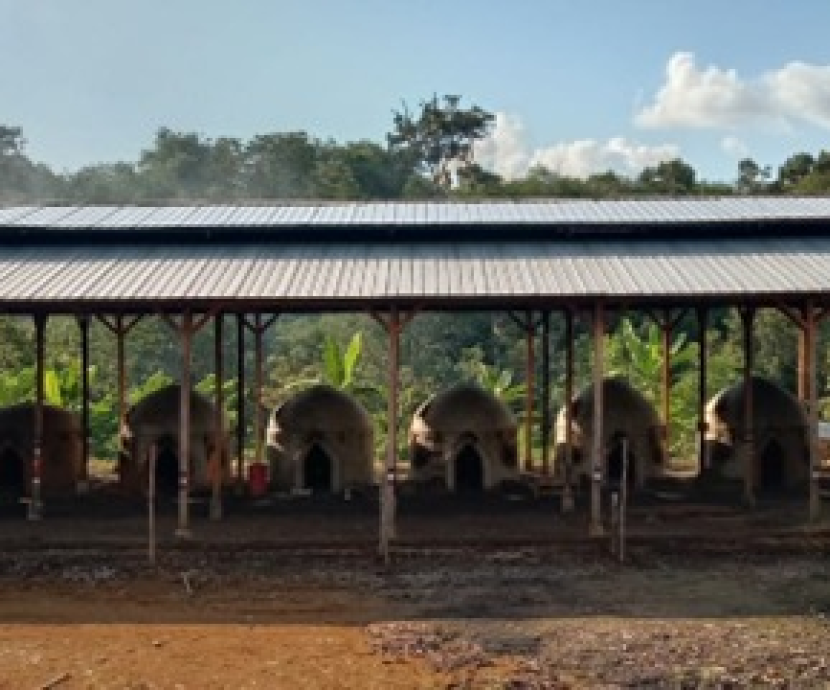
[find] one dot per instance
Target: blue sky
(579, 86)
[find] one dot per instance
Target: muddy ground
(512, 619)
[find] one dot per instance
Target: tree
(438, 141)
(752, 178)
(674, 177)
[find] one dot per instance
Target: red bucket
(258, 479)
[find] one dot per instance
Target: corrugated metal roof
(292, 274)
(567, 212)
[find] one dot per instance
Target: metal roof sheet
(535, 212)
(292, 274)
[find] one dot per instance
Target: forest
(428, 154)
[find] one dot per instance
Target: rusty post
(240, 402)
(702, 457)
(748, 440)
(567, 490)
(35, 502)
(186, 335)
(597, 454)
(218, 445)
(545, 393)
(82, 485)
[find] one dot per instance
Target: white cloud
(719, 98)
(734, 147)
(505, 150)
(507, 153)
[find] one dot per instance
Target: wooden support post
(186, 334)
(120, 328)
(597, 445)
(811, 382)
(393, 325)
(217, 458)
(151, 503)
(546, 393)
(240, 402)
(388, 501)
(259, 373)
(530, 363)
(567, 490)
(667, 323)
(748, 440)
(186, 329)
(666, 332)
(82, 485)
(259, 327)
(702, 455)
(35, 500)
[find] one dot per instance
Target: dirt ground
(503, 620)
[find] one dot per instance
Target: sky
(578, 86)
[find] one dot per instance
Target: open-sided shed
(578, 257)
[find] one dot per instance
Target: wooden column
(120, 327)
(217, 455)
(530, 390)
(811, 382)
(703, 324)
(240, 402)
(83, 478)
(597, 445)
(35, 502)
(667, 323)
(393, 324)
(186, 328)
(258, 327)
(186, 335)
(546, 393)
(748, 440)
(567, 490)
